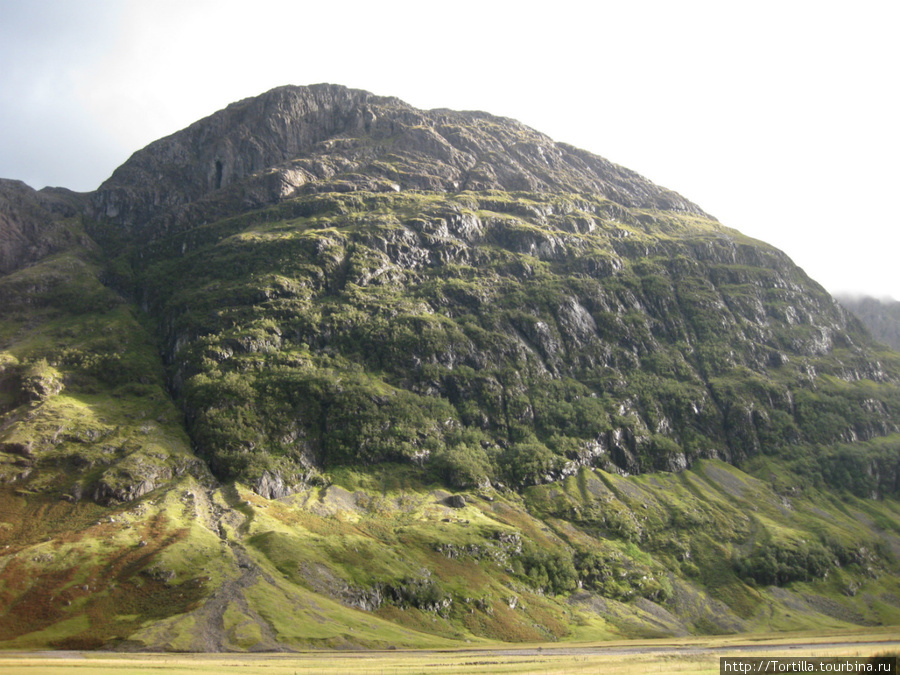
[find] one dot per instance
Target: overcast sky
(779, 118)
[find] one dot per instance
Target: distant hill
(881, 317)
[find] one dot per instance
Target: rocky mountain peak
(325, 138)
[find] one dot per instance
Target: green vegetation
(492, 337)
(416, 419)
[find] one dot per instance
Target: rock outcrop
(326, 138)
(30, 223)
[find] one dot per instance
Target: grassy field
(689, 655)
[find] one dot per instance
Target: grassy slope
(280, 574)
(85, 419)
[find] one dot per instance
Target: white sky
(779, 118)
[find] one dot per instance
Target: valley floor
(686, 655)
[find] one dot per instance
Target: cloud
(779, 118)
(48, 137)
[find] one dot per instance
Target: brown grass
(107, 588)
(688, 656)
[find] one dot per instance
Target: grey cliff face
(30, 223)
(326, 138)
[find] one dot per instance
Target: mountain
(881, 317)
(325, 370)
(322, 139)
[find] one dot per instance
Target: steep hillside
(326, 370)
(470, 329)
